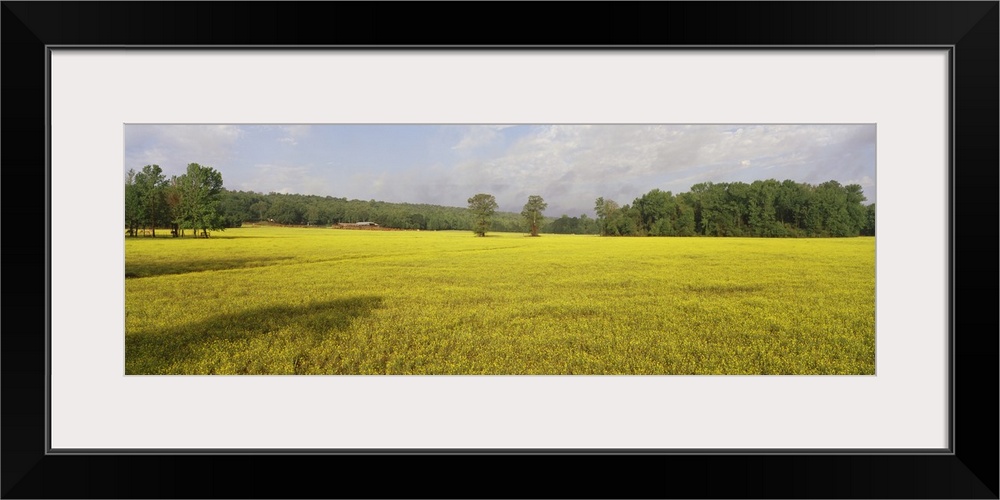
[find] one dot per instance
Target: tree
(532, 212)
(417, 221)
(483, 206)
(832, 205)
(763, 216)
(869, 227)
(606, 210)
(856, 210)
(570, 225)
(134, 212)
(174, 207)
(150, 185)
(260, 208)
(626, 221)
(587, 225)
(199, 190)
(685, 225)
(656, 210)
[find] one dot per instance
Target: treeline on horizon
(767, 208)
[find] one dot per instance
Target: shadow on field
(253, 341)
(147, 270)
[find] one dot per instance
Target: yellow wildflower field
(273, 300)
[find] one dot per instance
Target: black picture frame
(970, 470)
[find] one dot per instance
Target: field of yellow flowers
(273, 300)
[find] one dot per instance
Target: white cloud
(292, 133)
(299, 179)
(568, 165)
(174, 146)
(477, 136)
(571, 165)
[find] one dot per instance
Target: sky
(569, 166)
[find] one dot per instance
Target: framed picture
(921, 76)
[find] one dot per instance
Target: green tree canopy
(532, 212)
(198, 192)
(607, 211)
(148, 187)
(482, 206)
(763, 208)
(133, 204)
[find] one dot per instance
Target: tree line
(765, 208)
(197, 201)
(313, 210)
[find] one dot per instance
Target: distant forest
(766, 208)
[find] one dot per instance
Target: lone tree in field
(483, 206)
(532, 212)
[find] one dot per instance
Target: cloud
(571, 165)
(284, 178)
(477, 136)
(172, 147)
(568, 165)
(292, 133)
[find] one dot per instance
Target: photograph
(499, 249)
(604, 257)
(673, 201)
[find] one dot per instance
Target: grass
(320, 301)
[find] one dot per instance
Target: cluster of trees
(766, 208)
(572, 225)
(483, 207)
(189, 201)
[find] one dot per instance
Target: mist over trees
(197, 201)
